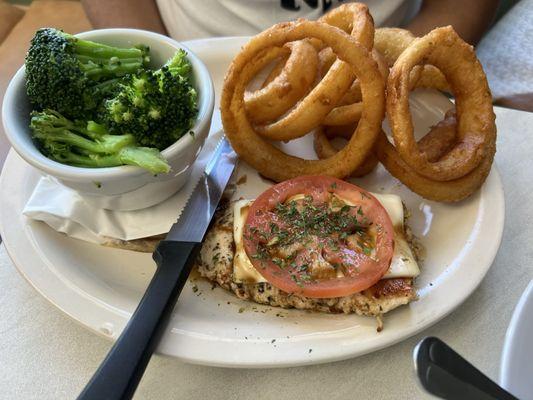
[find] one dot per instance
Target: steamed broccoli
(73, 76)
(157, 107)
(88, 144)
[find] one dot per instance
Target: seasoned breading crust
(215, 263)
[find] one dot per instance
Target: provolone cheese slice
(243, 270)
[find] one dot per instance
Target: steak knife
(122, 369)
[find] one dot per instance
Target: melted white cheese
(403, 263)
(243, 270)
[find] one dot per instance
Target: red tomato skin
(319, 187)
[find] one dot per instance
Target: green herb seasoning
(302, 234)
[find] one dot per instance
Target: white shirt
(192, 19)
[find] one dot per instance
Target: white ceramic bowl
(125, 187)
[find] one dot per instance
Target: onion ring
(352, 18)
(391, 42)
(350, 113)
(325, 149)
(326, 59)
(343, 115)
(443, 48)
(435, 144)
(275, 71)
(262, 155)
(341, 121)
(448, 191)
(440, 139)
(431, 77)
(353, 95)
(281, 94)
(342, 131)
(310, 112)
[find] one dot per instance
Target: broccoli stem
(95, 129)
(137, 156)
(89, 161)
(88, 59)
(98, 50)
(101, 144)
(90, 145)
(145, 157)
(108, 85)
(100, 61)
(96, 72)
(106, 88)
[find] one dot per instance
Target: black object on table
(444, 373)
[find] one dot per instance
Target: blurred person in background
(506, 52)
(193, 19)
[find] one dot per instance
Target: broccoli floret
(157, 107)
(73, 76)
(88, 144)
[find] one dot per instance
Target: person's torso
(192, 19)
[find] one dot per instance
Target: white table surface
(46, 355)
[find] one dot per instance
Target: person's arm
(141, 14)
(522, 102)
(469, 18)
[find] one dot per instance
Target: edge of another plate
(514, 337)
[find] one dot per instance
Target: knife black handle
(444, 373)
(122, 369)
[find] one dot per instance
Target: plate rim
(167, 346)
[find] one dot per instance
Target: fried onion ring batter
(265, 157)
(293, 82)
(310, 112)
(443, 48)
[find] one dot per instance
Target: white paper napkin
(66, 211)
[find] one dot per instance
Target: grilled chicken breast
(215, 263)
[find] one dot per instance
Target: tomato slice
(319, 237)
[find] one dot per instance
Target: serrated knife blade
(120, 372)
(200, 208)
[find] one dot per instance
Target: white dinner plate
(100, 287)
(516, 369)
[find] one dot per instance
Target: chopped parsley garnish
(297, 232)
